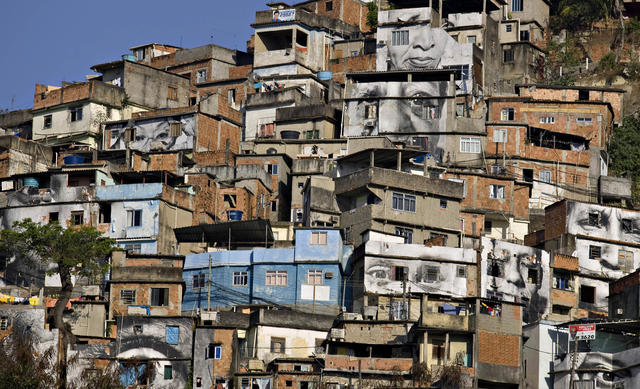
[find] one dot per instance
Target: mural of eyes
(379, 272)
(162, 135)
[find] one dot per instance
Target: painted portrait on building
(409, 44)
(513, 272)
(165, 134)
(385, 276)
(617, 226)
(601, 370)
(406, 109)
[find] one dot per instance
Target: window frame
(313, 275)
(75, 114)
(504, 135)
(134, 218)
(508, 56)
(470, 145)
(406, 233)
(199, 281)
(240, 278)
(128, 296)
(282, 342)
(318, 238)
(403, 202)
(508, 114)
(400, 38)
(74, 215)
(47, 122)
(545, 176)
(276, 278)
(595, 252)
(496, 191)
(516, 6)
(199, 78)
(157, 294)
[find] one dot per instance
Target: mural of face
(155, 135)
(424, 51)
(609, 370)
(603, 222)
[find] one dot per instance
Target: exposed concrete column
(399, 162)
(372, 158)
(440, 13)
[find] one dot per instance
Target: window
(277, 345)
(159, 297)
(201, 75)
(272, 168)
(560, 310)
(544, 176)
(312, 134)
(175, 129)
(319, 238)
(495, 268)
(168, 372)
(134, 218)
(328, 6)
(587, 294)
(583, 95)
(595, 252)
(532, 276)
(497, 169)
(625, 260)
(496, 191)
(213, 351)
(524, 36)
(172, 93)
(231, 96)
(516, 5)
(133, 248)
(469, 144)
(4, 323)
(130, 134)
(54, 217)
(140, 54)
(399, 273)
(487, 225)
(370, 111)
(314, 277)
(77, 218)
(508, 28)
(507, 55)
(47, 121)
(198, 281)
(400, 38)
(240, 278)
(274, 206)
(500, 135)
(471, 39)
(461, 271)
(584, 121)
(229, 200)
(594, 219)
(128, 296)
(406, 233)
(276, 278)
(435, 235)
(507, 114)
(431, 274)
(404, 202)
(137, 329)
(443, 204)
(562, 280)
(172, 334)
(76, 114)
(547, 120)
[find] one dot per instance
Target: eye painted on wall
(594, 220)
(379, 271)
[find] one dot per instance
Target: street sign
(582, 331)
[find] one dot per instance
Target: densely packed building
(343, 204)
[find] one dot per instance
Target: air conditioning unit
(256, 365)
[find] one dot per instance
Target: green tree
(372, 15)
(624, 151)
(70, 252)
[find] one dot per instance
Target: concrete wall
(299, 343)
(155, 135)
(149, 87)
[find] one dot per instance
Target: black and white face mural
(156, 134)
(513, 272)
(416, 46)
(596, 257)
(439, 270)
(404, 109)
(600, 370)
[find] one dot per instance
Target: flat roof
(235, 233)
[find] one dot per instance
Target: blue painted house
(307, 276)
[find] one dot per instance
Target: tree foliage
(575, 15)
(624, 151)
(372, 15)
(68, 252)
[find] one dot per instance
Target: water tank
(31, 181)
(288, 134)
(234, 215)
(129, 57)
(73, 159)
(325, 75)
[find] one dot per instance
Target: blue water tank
(73, 159)
(129, 57)
(325, 75)
(234, 215)
(31, 181)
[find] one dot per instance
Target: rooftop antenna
(211, 37)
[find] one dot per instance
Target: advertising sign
(582, 331)
(284, 15)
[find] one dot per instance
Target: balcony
(450, 316)
(344, 362)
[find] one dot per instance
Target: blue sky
(48, 41)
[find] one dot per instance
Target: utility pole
(359, 373)
(573, 360)
(209, 287)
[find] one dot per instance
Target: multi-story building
(306, 277)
